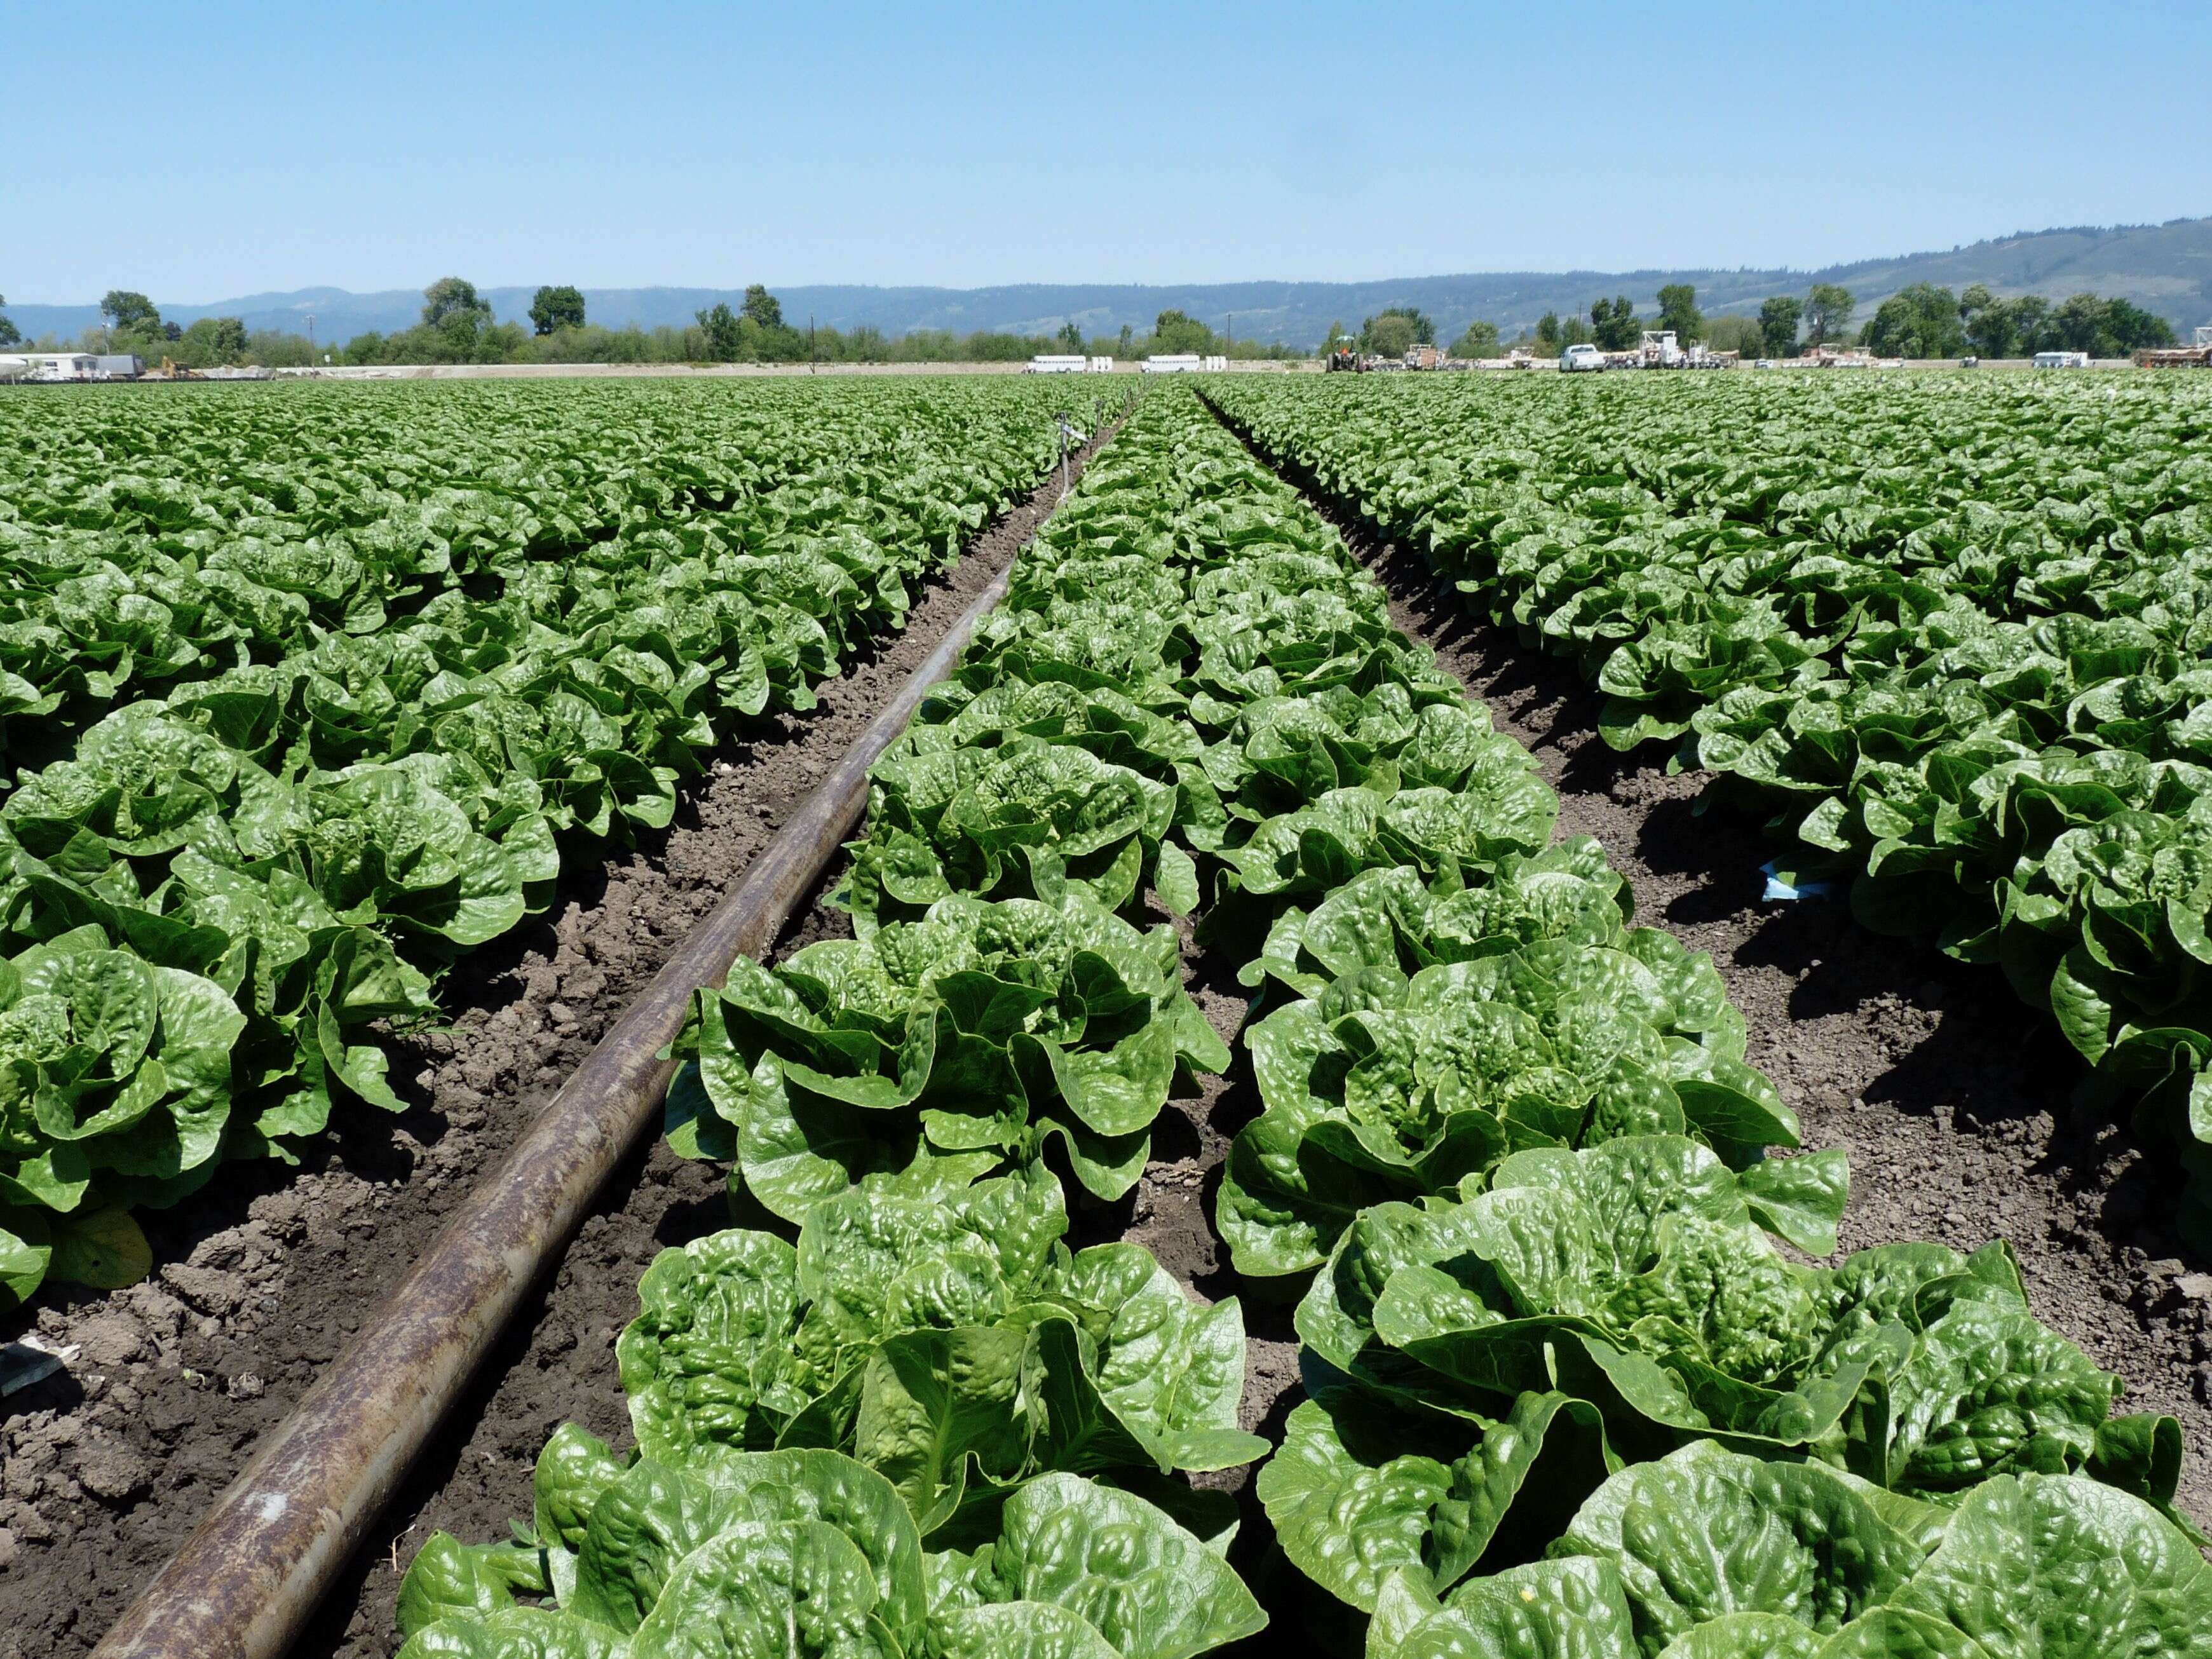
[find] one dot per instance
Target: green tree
(2030, 317)
(452, 297)
(1173, 333)
(9, 334)
(557, 307)
(1991, 325)
(276, 348)
(130, 313)
(456, 327)
(1071, 336)
(1777, 325)
(212, 340)
(1827, 312)
(2077, 324)
(1548, 331)
(1480, 340)
(761, 307)
(1678, 310)
(1920, 321)
(1741, 335)
(1574, 332)
(1337, 340)
(2086, 322)
(1389, 334)
(1425, 331)
(725, 332)
(2129, 327)
(1127, 336)
(1613, 324)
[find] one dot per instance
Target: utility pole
(810, 342)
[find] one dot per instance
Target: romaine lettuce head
(1420, 1056)
(949, 1339)
(938, 1048)
(809, 1552)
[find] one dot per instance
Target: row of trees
(130, 323)
(1821, 318)
(1928, 321)
(1921, 321)
(458, 326)
(1394, 330)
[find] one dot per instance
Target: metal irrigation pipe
(255, 1568)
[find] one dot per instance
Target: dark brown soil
(1954, 1100)
(105, 1468)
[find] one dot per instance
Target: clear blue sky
(199, 152)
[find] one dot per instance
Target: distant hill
(2165, 269)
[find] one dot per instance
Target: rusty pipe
(256, 1566)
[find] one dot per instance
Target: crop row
(222, 886)
(1949, 633)
(1565, 1394)
(149, 546)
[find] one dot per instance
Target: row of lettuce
(1949, 633)
(150, 545)
(226, 881)
(1565, 1393)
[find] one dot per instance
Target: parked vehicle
(1581, 358)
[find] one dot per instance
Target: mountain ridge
(2164, 268)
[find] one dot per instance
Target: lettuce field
(1225, 1165)
(301, 702)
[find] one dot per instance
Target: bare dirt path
(105, 1468)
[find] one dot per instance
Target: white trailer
(51, 367)
(1179, 363)
(1047, 362)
